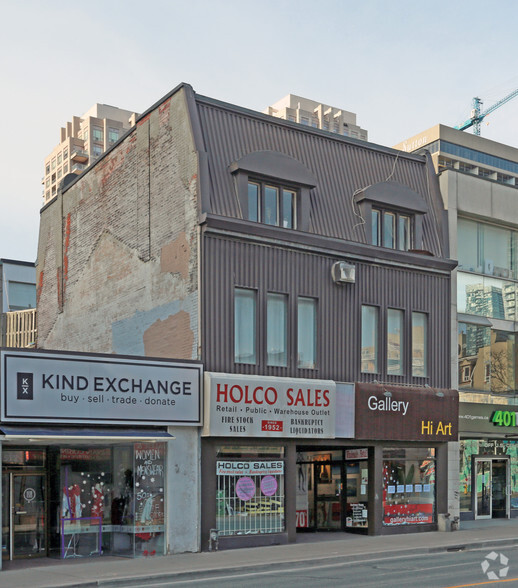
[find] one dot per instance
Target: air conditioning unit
(343, 272)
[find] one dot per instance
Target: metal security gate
(250, 497)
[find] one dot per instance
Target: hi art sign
(56, 387)
(262, 406)
(406, 413)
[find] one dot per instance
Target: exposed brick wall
(117, 265)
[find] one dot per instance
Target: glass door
(328, 485)
(23, 515)
(499, 489)
(483, 489)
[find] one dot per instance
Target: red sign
(271, 425)
(405, 514)
(302, 518)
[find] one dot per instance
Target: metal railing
(20, 328)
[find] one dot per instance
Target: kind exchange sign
(244, 406)
(79, 388)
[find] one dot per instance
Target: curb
(251, 568)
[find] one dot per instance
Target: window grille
(250, 497)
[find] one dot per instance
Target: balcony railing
(20, 328)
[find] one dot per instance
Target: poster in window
(149, 483)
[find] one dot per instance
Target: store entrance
(332, 490)
(491, 484)
(24, 524)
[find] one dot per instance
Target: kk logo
(24, 388)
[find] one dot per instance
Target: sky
(401, 66)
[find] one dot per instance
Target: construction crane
(477, 117)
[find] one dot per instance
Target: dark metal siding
(228, 262)
(341, 167)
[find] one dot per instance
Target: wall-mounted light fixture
(387, 393)
(343, 272)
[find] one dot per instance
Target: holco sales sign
(263, 406)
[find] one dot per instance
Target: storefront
(281, 456)
(488, 461)
(408, 430)
(86, 448)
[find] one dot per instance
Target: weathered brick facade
(117, 268)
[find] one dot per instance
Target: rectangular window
(419, 345)
(369, 350)
(253, 202)
(288, 208)
(60, 159)
(408, 486)
(21, 295)
(271, 205)
(389, 230)
(85, 136)
(97, 150)
(47, 169)
(100, 488)
(54, 163)
(306, 332)
(403, 233)
(113, 136)
(97, 134)
(65, 154)
(277, 329)
(65, 168)
(394, 342)
(244, 326)
(376, 227)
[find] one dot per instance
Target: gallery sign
(57, 387)
(263, 406)
(406, 413)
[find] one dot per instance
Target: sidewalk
(114, 571)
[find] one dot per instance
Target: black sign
(24, 387)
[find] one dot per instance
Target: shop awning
(92, 434)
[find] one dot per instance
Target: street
(485, 567)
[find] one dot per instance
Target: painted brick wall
(117, 267)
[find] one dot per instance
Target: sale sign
(263, 406)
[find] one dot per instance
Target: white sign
(240, 468)
(263, 406)
(56, 387)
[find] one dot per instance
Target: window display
(111, 500)
(408, 486)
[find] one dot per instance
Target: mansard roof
(339, 170)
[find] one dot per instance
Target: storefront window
(250, 491)
(110, 500)
(408, 486)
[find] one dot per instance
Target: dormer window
(391, 229)
(393, 216)
(273, 188)
(272, 204)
